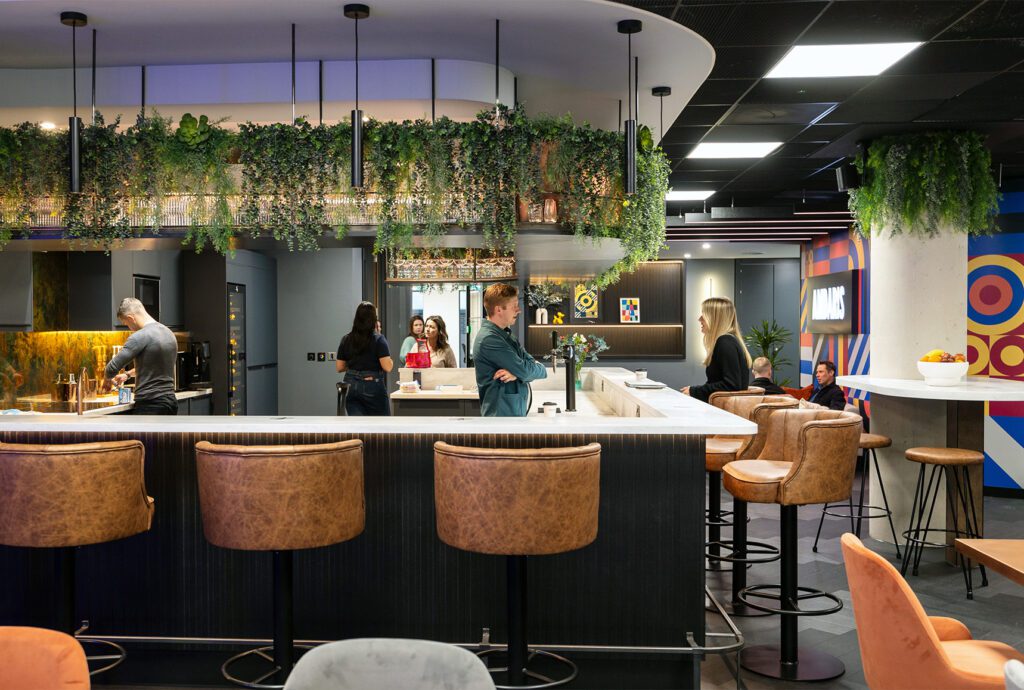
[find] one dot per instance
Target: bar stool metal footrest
(115, 659)
(756, 548)
(546, 681)
(764, 592)
(722, 521)
(264, 653)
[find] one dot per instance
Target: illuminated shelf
(625, 340)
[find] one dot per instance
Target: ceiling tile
(1001, 19)
(683, 135)
(738, 63)
(797, 150)
(700, 115)
(720, 91)
(945, 57)
(776, 113)
(922, 86)
(873, 111)
(822, 133)
(805, 90)
(745, 133)
(880, 21)
(749, 23)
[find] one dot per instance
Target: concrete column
(918, 303)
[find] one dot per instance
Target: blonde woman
(727, 360)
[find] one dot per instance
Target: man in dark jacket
(762, 370)
(828, 394)
(503, 368)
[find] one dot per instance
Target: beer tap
(568, 353)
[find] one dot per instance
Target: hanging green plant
(30, 168)
(101, 213)
(923, 184)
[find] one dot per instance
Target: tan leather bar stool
(66, 496)
(518, 503)
(280, 499)
(719, 451)
(956, 463)
(869, 443)
(808, 457)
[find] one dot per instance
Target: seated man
(828, 394)
(762, 371)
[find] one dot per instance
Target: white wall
(317, 295)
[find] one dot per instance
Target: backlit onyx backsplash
(30, 362)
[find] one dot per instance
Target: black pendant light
(357, 12)
(660, 92)
(74, 20)
(630, 27)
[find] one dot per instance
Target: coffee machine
(198, 364)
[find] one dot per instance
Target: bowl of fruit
(940, 368)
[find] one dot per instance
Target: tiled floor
(997, 611)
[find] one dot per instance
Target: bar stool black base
(266, 653)
(545, 681)
(737, 609)
(802, 593)
(812, 665)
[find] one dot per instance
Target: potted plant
(587, 347)
(767, 341)
(541, 295)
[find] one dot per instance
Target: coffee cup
(641, 374)
(550, 409)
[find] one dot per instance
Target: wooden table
(1005, 556)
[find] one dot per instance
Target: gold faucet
(79, 394)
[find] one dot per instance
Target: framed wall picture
(629, 310)
(585, 303)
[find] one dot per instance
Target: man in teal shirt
(503, 368)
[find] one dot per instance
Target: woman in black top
(727, 361)
(365, 358)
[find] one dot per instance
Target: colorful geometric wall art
(585, 302)
(629, 310)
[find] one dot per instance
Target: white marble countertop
(977, 388)
(471, 394)
(109, 409)
(632, 412)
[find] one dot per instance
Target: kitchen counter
(98, 406)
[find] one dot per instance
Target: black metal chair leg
(714, 515)
(954, 495)
(860, 503)
(885, 502)
(974, 518)
(820, 523)
(909, 547)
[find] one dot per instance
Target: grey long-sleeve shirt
(153, 347)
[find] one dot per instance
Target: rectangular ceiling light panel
(849, 60)
(749, 149)
(687, 195)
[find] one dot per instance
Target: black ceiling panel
(700, 115)
(749, 23)
(726, 133)
(713, 164)
(776, 113)
(684, 135)
(720, 91)
(881, 21)
(875, 111)
(966, 109)
(751, 63)
(805, 90)
(822, 133)
(951, 57)
(922, 86)
(797, 150)
(994, 19)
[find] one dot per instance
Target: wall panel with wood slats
(640, 583)
(626, 341)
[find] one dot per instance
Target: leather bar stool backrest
(759, 414)
(281, 498)
(822, 445)
(72, 494)
(739, 403)
(517, 502)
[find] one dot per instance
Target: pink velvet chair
(40, 659)
(902, 647)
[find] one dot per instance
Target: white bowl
(943, 373)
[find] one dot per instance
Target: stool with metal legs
(808, 457)
(295, 497)
(868, 444)
(63, 497)
(956, 463)
(718, 452)
(518, 503)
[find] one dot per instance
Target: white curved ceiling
(567, 54)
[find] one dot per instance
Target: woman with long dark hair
(365, 357)
(409, 344)
(441, 354)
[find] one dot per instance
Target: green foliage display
(292, 183)
(767, 340)
(920, 184)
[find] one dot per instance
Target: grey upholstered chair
(385, 664)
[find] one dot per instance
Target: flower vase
(541, 316)
(579, 378)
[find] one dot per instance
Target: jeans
(165, 406)
(367, 398)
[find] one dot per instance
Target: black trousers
(166, 405)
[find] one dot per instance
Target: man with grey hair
(762, 370)
(154, 348)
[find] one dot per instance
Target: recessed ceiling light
(686, 195)
(47, 125)
(751, 149)
(705, 246)
(847, 60)
(687, 256)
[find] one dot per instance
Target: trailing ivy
(29, 170)
(101, 212)
(922, 184)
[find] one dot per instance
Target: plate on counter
(646, 384)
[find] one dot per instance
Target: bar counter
(640, 584)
